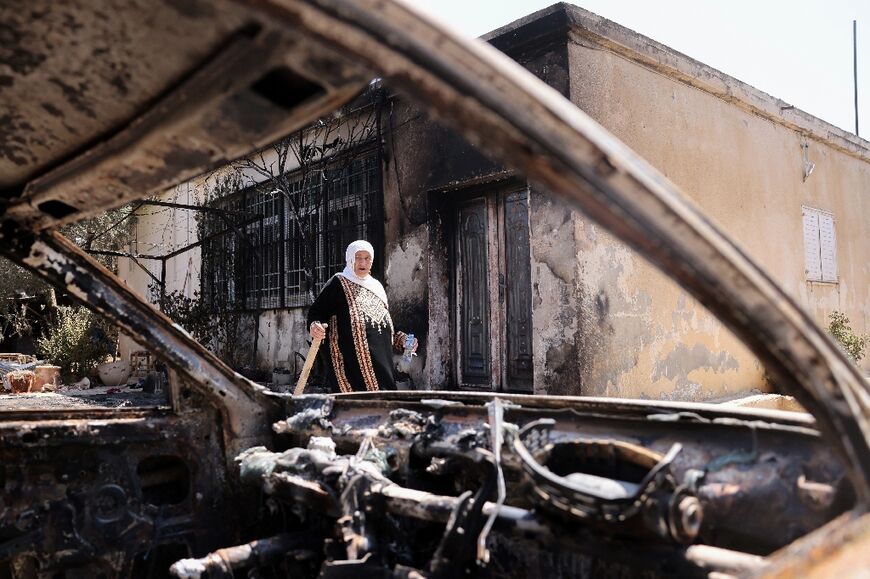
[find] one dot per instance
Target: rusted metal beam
(199, 242)
(134, 257)
(662, 411)
(517, 118)
(724, 561)
(127, 254)
(201, 208)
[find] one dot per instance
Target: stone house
(509, 290)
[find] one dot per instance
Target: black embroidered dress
(359, 338)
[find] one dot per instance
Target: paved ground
(101, 397)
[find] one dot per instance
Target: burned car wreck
(230, 479)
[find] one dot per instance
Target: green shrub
(76, 340)
(192, 314)
(220, 331)
(853, 344)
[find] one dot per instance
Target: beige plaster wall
(281, 335)
(560, 334)
(159, 231)
(640, 335)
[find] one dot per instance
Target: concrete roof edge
(525, 20)
(647, 52)
(603, 33)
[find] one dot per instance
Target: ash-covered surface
(101, 397)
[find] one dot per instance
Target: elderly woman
(359, 331)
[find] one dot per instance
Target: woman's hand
(399, 342)
(318, 330)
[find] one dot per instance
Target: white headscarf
(368, 281)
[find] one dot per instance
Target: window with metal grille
(222, 255)
(295, 242)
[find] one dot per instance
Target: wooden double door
(493, 293)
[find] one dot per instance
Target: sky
(797, 50)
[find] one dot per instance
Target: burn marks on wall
(682, 360)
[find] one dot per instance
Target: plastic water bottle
(405, 363)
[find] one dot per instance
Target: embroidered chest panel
(369, 307)
(365, 307)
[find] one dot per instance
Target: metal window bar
(308, 228)
(351, 212)
(220, 259)
(263, 269)
(343, 203)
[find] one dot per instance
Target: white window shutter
(812, 245)
(828, 239)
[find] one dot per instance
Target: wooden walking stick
(309, 362)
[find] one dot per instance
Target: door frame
(493, 197)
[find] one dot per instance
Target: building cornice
(587, 29)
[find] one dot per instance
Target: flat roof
(574, 23)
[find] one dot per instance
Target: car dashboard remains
(409, 486)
